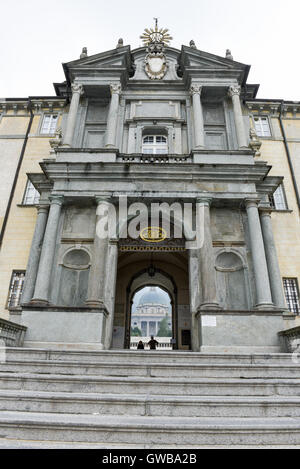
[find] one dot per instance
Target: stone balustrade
(290, 340)
(154, 159)
(11, 334)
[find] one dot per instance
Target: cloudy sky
(36, 37)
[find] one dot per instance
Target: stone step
(235, 370)
(160, 430)
(12, 443)
(150, 385)
(132, 356)
(145, 405)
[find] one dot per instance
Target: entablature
(11, 106)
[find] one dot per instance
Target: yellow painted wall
(286, 225)
(20, 227)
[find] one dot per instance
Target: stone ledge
(251, 312)
(63, 309)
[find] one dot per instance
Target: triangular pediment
(112, 58)
(115, 63)
(195, 58)
(196, 64)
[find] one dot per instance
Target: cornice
(36, 104)
(272, 107)
(117, 171)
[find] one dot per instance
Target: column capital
(115, 88)
(56, 199)
(204, 201)
(251, 202)
(77, 88)
(234, 90)
(195, 89)
(265, 212)
(42, 208)
(102, 199)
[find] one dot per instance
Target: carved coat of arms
(155, 60)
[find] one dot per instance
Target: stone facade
(226, 293)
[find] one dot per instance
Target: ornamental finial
(155, 36)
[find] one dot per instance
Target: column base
(265, 306)
(39, 301)
(210, 307)
(95, 304)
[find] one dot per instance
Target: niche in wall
(74, 278)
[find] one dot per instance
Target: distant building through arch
(150, 306)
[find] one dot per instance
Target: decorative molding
(115, 88)
(196, 89)
(234, 90)
(77, 88)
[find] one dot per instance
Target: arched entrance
(164, 269)
(151, 315)
(156, 277)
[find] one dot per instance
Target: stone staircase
(148, 399)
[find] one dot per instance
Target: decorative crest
(155, 36)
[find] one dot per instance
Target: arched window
(155, 144)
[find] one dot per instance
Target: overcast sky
(36, 37)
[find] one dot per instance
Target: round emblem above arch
(155, 65)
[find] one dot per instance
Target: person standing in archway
(152, 343)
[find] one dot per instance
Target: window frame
(284, 198)
(296, 288)
(20, 288)
(262, 116)
(25, 195)
(43, 116)
(155, 145)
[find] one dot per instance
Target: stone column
(41, 292)
(96, 287)
(206, 259)
(263, 291)
(234, 93)
(77, 91)
(35, 252)
(195, 91)
(112, 119)
(111, 280)
(272, 260)
(132, 139)
(194, 284)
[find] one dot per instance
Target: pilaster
(195, 91)
(112, 119)
(77, 91)
(234, 93)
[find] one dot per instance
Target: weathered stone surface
(132, 399)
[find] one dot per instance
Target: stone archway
(167, 270)
(152, 277)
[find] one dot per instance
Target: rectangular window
(291, 291)
(49, 124)
(262, 126)
(155, 145)
(278, 199)
(16, 288)
(31, 195)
